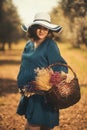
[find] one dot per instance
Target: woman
(40, 51)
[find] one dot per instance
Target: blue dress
(37, 111)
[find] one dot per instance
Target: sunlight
(27, 9)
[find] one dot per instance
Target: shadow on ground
(9, 62)
(8, 86)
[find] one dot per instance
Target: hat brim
(53, 27)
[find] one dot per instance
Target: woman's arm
(54, 56)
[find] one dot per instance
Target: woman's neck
(39, 41)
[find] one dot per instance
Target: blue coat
(37, 112)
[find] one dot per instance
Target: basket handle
(62, 64)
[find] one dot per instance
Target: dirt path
(73, 118)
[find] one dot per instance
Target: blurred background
(72, 41)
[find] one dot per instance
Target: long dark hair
(32, 32)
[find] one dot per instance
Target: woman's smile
(42, 32)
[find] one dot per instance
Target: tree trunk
(9, 45)
(2, 48)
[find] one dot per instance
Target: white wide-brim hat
(44, 20)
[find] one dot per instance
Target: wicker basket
(64, 94)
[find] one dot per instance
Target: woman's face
(42, 32)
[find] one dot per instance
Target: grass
(76, 58)
(83, 90)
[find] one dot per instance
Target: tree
(58, 17)
(72, 15)
(9, 21)
(76, 11)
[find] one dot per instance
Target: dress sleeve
(54, 56)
